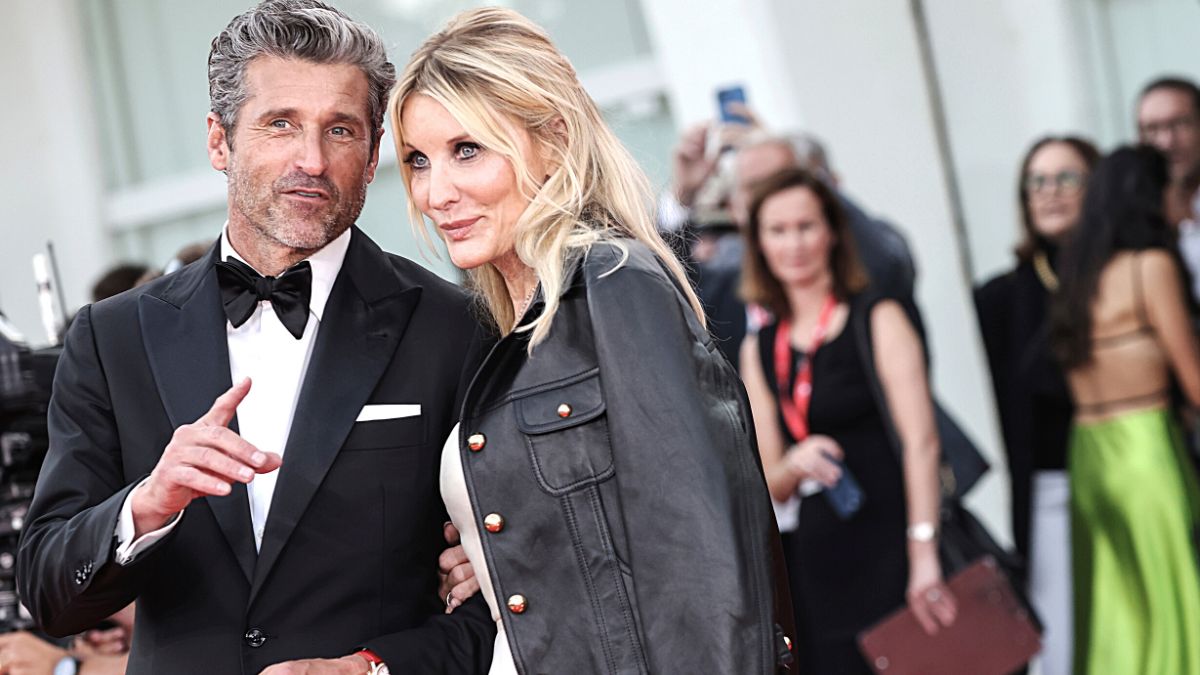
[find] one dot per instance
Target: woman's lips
(457, 230)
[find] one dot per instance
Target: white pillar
(52, 174)
(1011, 72)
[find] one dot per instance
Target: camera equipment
(25, 377)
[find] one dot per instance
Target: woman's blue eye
(467, 150)
(416, 160)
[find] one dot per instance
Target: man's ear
(374, 157)
(218, 144)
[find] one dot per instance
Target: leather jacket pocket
(566, 431)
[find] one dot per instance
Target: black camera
(25, 379)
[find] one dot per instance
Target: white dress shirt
(1189, 244)
(275, 361)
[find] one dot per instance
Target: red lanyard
(795, 406)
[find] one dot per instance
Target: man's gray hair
(810, 152)
(807, 150)
(298, 29)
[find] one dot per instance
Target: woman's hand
(816, 458)
(457, 576)
(928, 596)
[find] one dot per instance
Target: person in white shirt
(249, 446)
(1168, 118)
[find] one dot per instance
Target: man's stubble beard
(262, 208)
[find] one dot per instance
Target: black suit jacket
(1031, 390)
(349, 554)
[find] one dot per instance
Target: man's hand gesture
(203, 458)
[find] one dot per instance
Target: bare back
(1141, 337)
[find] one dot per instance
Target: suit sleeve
(676, 473)
(66, 572)
(447, 644)
(460, 643)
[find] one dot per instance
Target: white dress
(458, 505)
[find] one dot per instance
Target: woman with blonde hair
(604, 475)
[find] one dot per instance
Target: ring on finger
(933, 595)
(449, 597)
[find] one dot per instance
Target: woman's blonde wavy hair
(489, 64)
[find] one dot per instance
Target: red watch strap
(370, 656)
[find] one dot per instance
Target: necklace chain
(525, 303)
(1045, 273)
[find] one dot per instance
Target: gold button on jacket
(476, 442)
(493, 522)
(517, 604)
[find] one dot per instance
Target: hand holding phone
(735, 121)
(846, 496)
(730, 114)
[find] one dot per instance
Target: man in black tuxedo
(250, 447)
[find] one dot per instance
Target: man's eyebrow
(276, 112)
(347, 117)
(342, 117)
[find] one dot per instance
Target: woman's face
(795, 237)
(469, 192)
(1054, 184)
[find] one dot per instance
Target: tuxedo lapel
(183, 331)
(367, 313)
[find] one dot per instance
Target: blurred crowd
(100, 651)
(1092, 344)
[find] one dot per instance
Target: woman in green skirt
(1122, 327)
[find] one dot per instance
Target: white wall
(699, 50)
(51, 174)
(1011, 71)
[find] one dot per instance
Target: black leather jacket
(617, 488)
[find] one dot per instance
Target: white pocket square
(388, 411)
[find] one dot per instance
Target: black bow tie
(242, 288)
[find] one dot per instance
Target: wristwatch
(378, 667)
(67, 665)
(922, 532)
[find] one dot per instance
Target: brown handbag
(993, 633)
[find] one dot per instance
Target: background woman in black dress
(1031, 393)
(813, 408)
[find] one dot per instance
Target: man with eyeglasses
(1168, 117)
